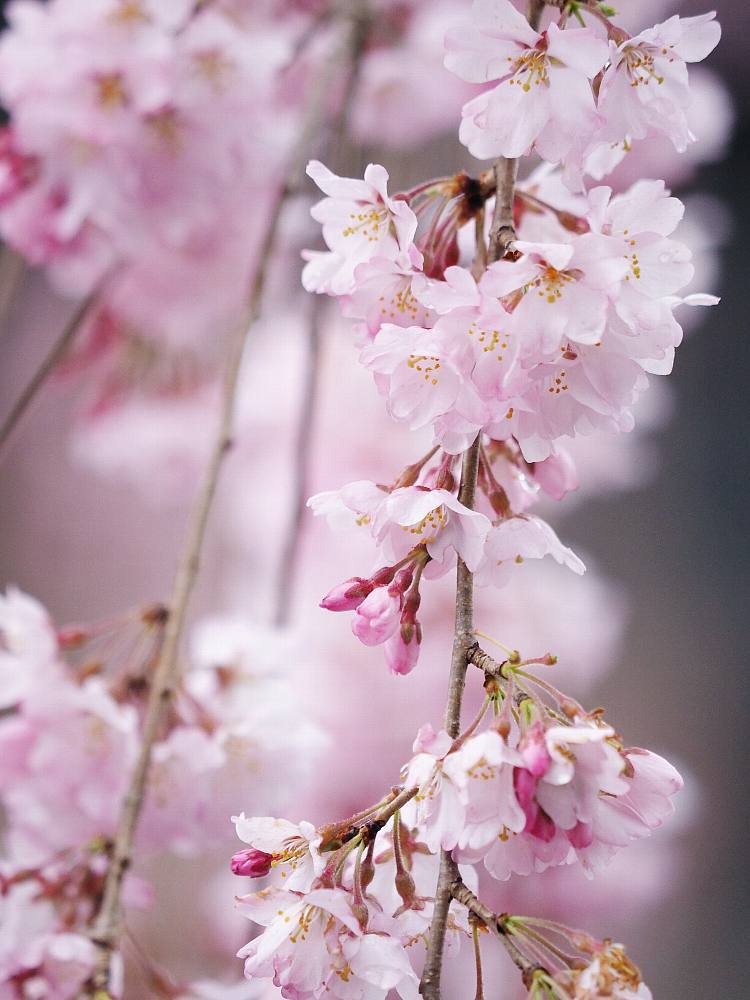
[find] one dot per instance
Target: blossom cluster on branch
(549, 333)
(152, 163)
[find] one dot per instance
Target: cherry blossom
(360, 222)
(314, 943)
(515, 539)
(610, 973)
(543, 98)
(645, 87)
(289, 849)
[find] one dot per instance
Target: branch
(56, 353)
(106, 928)
(300, 464)
(494, 922)
(502, 230)
(485, 662)
(502, 233)
(12, 269)
(463, 637)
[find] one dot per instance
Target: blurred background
(94, 507)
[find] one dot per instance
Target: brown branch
(51, 360)
(301, 462)
(502, 233)
(502, 230)
(485, 662)
(536, 9)
(463, 638)
(106, 929)
(494, 922)
(12, 269)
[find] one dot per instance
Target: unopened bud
(382, 577)
(405, 887)
(348, 596)
(251, 862)
(499, 502)
(402, 581)
(573, 223)
(445, 480)
(72, 637)
(361, 913)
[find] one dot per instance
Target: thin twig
(494, 922)
(12, 268)
(51, 360)
(106, 928)
(463, 638)
(301, 464)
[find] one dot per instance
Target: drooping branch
(502, 233)
(50, 361)
(463, 637)
(107, 926)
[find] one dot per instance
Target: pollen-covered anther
(558, 384)
(419, 362)
(367, 223)
(527, 69)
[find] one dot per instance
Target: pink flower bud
(524, 784)
(402, 581)
(251, 862)
(542, 827)
(377, 617)
(533, 749)
(557, 474)
(582, 835)
(347, 595)
(400, 655)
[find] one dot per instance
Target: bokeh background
(675, 543)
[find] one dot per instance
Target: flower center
(527, 69)
(370, 223)
(427, 365)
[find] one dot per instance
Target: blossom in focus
(644, 89)
(543, 98)
(290, 849)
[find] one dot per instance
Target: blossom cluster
(579, 95)
(543, 784)
(547, 332)
(421, 529)
(72, 700)
(551, 342)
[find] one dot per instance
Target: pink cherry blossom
(292, 849)
(543, 98)
(360, 222)
(645, 87)
(314, 943)
(515, 539)
(383, 293)
(610, 974)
